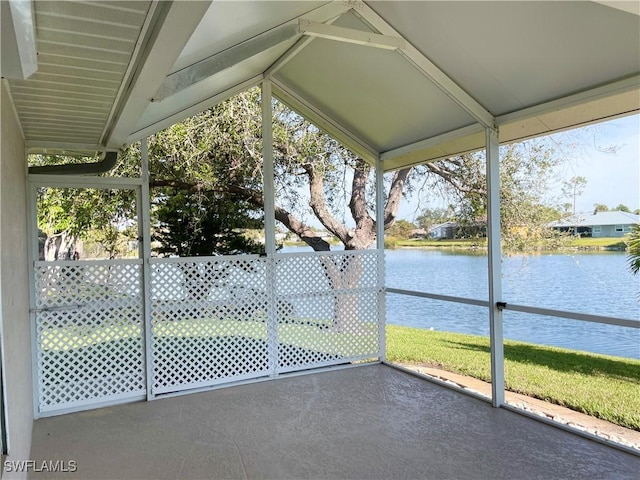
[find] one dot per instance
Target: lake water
(596, 283)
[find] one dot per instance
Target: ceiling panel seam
(84, 47)
(117, 72)
(87, 19)
(89, 147)
(88, 57)
(52, 84)
(64, 31)
(62, 88)
(40, 74)
(118, 7)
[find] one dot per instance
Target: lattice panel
(209, 321)
(90, 345)
(333, 300)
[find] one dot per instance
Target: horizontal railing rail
(585, 317)
(434, 296)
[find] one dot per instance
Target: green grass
(599, 242)
(598, 385)
(480, 243)
(444, 243)
(314, 336)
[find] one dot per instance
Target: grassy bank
(422, 242)
(481, 243)
(598, 385)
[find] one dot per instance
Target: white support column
(33, 255)
(144, 235)
(269, 226)
(268, 171)
(495, 271)
(382, 296)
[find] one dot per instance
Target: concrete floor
(371, 422)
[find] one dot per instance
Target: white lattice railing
(208, 321)
(89, 335)
(211, 320)
(331, 304)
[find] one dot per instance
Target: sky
(613, 178)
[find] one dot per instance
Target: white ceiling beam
(19, 55)
(349, 35)
(331, 11)
(632, 6)
(235, 54)
(163, 44)
(428, 68)
(226, 59)
(193, 109)
(321, 120)
(629, 84)
(431, 142)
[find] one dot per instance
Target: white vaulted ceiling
(112, 72)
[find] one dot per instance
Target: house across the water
(598, 224)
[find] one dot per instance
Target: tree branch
(319, 207)
(255, 198)
(358, 203)
(454, 180)
(395, 195)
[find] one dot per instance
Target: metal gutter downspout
(107, 163)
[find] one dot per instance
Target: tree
(622, 208)
(218, 154)
(66, 215)
(220, 150)
(433, 216)
(599, 207)
(525, 173)
(193, 224)
(402, 229)
(573, 188)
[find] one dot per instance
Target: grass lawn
(459, 243)
(469, 244)
(605, 387)
(599, 242)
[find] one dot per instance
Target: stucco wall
(609, 231)
(14, 288)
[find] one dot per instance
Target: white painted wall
(14, 289)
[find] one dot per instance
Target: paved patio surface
(370, 422)
(606, 430)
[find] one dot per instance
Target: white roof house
(443, 230)
(398, 82)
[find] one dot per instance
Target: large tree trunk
(60, 246)
(343, 273)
